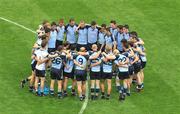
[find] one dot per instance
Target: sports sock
(73, 90)
(97, 90)
(102, 93)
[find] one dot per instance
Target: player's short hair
(126, 26)
(93, 23)
(65, 44)
(45, 21)
(108, 29)
(94, 45)
(82, 49)
(108, 48)
(61, 20)
(53, 23)
(103, 25)
(47, 29)
(124, 41)
(120, 26)
(43, 43)
(60, 48)
(113, 21)
(134, 34)
(43, 37)
(72, 19)
(72, 47)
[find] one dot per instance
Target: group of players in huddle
(77, 52)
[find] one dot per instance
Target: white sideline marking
(86, 100)
(87, 91)
(18, 25)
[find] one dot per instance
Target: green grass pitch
(156, 21)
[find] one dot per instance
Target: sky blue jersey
(71, 33)
(52, 39)
(82, 35)
(92, 35)
(60, 33)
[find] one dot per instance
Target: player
(109, 39)
(92, 34)
(126, 34)
(128, 52)
(101, 39)
(82, 31)
(41, 56)
(113, 28)
(57, 62)
(70, 30)
(33, 64)
(60, 33)
(107, 64)
(80, 62)
(95, 71)
(140, 43)
(52, 38)
(119, 38)
(123, 74)
(69, 72)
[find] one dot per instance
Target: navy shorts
(81, 75)
(40, 73)
(56, 74)
(123, 75)
(58, 43)
(69, 75)
(131, 70)
(33, 66)
(95, 75)
(106, 75)
(143, 65)
(81, 45)
(137, 67)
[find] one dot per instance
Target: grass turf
(157, 22)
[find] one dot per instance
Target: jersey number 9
(80, 60)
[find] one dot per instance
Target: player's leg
(53, 78)
(59, 78)
(24, 81)
(52, 87)
(92, 78)
(73, 92)
(36, 84)
(83, 89)
(143, 64)
(92, 89)
(79, 85)
(97, 88)
(117, 83)
(102, 89)
(137, 73)
(102, 84)
(32, 81)
(125, 82)
(60, 89)
(42, 85)
(65, 84)
(109, 88)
